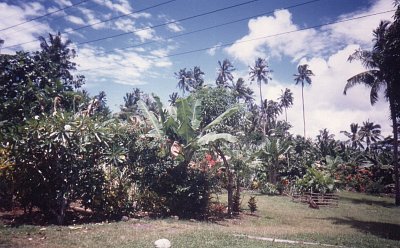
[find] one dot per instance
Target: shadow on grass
(382, 202)
(380, 229)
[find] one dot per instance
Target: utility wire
(258, 38)
(206, 28)
(39, 23)
(168, 23)
(48, 14)
(275, 35)
(96, 23)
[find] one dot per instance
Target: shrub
(268, 189)
(316, 181)
(252, 203)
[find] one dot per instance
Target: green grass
(359, 221)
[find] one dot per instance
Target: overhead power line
(168, 23)
(207, 28)
(53, 19)
(151, 27)
(96, 23)
(275, 35)
(258, 38)
(48, 14)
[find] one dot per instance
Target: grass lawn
(359, 221)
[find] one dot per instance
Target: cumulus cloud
(326, 51)
(123, 66)
(175, 27)
(214, 49)
(122, 6)
(278, 36)
(12, 15)
(325, 104)
(75, 19)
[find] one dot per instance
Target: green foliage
(268, 189)
(236, 202)
(316, 181)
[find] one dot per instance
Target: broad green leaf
(160, 107)
(228, 113)
(156, 132)
(196, 113)
(212, 137)
(186, 132)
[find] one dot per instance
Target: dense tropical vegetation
(60, 146)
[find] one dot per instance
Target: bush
(268, 189)
(252, 203)
(316, 181)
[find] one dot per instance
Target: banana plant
(271, 153)
(181, 123)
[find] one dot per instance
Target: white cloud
(175, 27)
(12, 15)
(283, 38)
(125, 24)
(145, 34)
(326, 51)
(325, 104)
(122, 6)
(75, 19)
(359, 31)
(123, 66)
(214, 49)
(63, 3)
(91, 18)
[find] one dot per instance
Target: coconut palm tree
(241, 91)
(354, 137)
(382, 72)
(286, 100)
(370, 132)
(184, 77)
(272, 109)
(224, 76)
(173, 98)
(260, 72)
(198, 80)
(303, 76)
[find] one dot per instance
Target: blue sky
(110, 66)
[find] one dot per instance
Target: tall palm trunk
(396, 150)
(263, 112)
(286, 114)
(304, 116)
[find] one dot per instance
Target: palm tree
(286, 100)
(198, 81)
(272, 109)
(370, 132)
(173, 98)
(304, 77)
(224, 70)
(353, 135)
(241, 91)
(260, 73)
(184, 77)
(382, 71)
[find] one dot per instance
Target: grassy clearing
(359, 221)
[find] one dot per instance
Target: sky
(123, 44)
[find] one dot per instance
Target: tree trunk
(395, 151)
(286, 114)
(230, 181)
(263, 117)
(304, 116)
